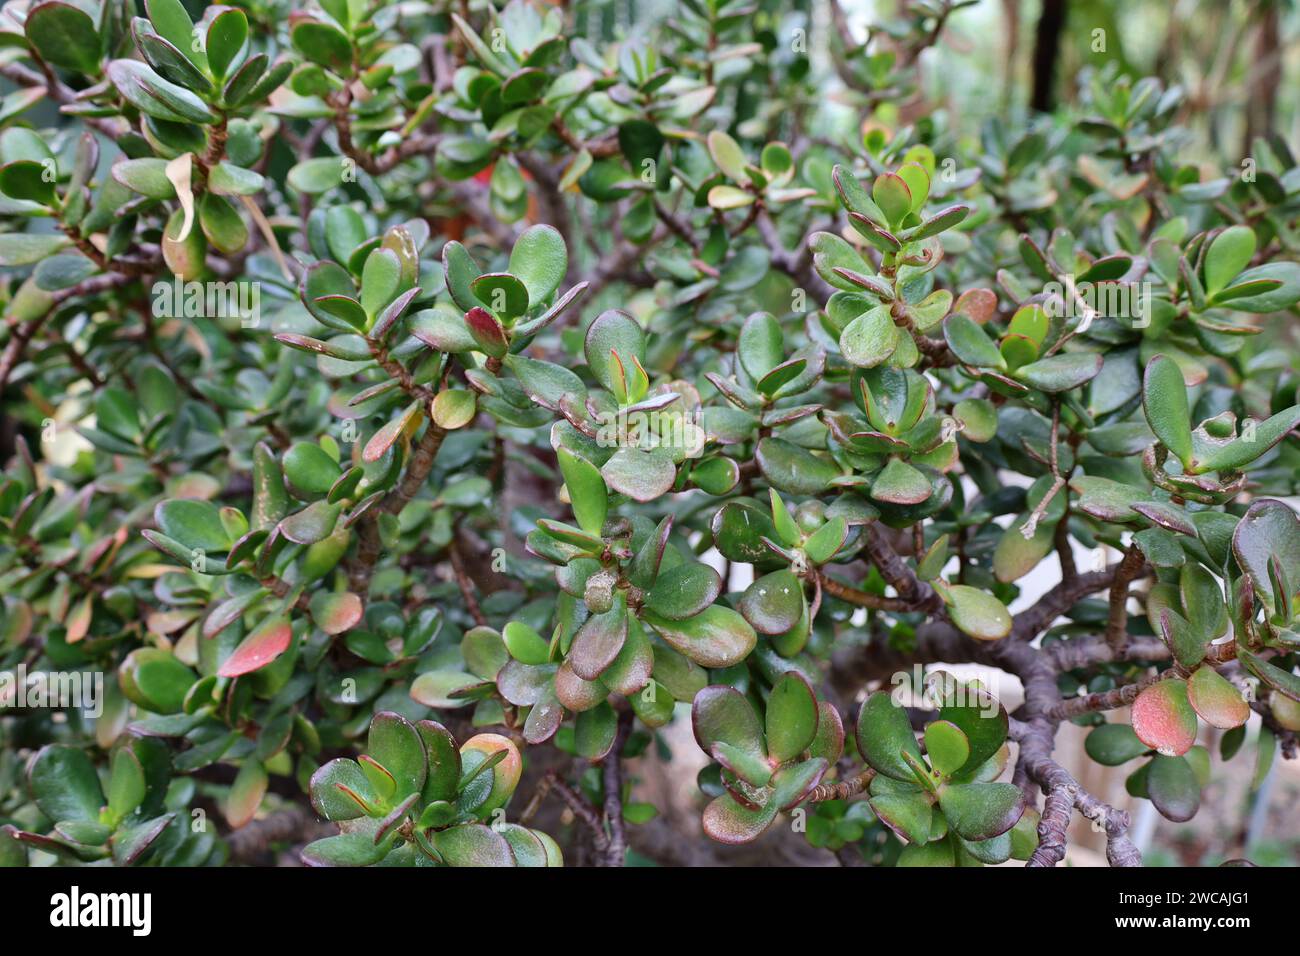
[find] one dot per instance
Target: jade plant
(415, 414)
(769, 767)
(945, 803)
(132, 814)
(415, 799)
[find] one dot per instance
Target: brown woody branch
(579, 805)
(417, 471)
(21, 334)
(798, 265)
(1062, 793)
(1111, 699)
(252, 842)
(113, 128)
(600, 147)
(862, 598)
(1035, 619)
(464, 584)
(374, 165)
(844, 789)
(1117, 624)
(919, 595)
(614, 848)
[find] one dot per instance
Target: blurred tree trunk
(1167, 57)
(1047, 47)
(8, 436)
(1265, 77)
(1011, 17)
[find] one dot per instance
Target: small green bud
(599, 593)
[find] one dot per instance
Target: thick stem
(614, 850)
(417, 471)
(1117, 624)
(896, 572)
(1034, 620)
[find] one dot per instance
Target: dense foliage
(405, 396)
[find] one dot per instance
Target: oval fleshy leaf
(525, 644)
(1164, 398)
(64, 783)
(1060, 373)
(716, 637)
(870, 338)
(334, 612)
(909, 815)
(900, 484)
(472, 844)
(978, 613)
(791, 717)
(346, 849)
(394, 742)
(721, 714)
(641, 475)
(790, 785)
(727, 821)
(946, 746)
(341, 791)
(684, 591)
(1228, 253)
(268, 641)
(1172, 786)
(1163, 718)
(1114, 744)
(599, 640)
(539, 259)
(970, 343)
(981, 811)
(1269, 530)
(612, 331)
(1216, 700)
(587, 493)
(774, 603)
(884, 734)
(595, 730)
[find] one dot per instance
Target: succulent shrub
(135, 809)
(415, 798)
(378, 377)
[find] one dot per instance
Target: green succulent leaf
(981, 811)
(1164, 398)
(791, 717)
(884, 734)
(978, 613)
(64, 784)
(716, 637)
(946, 746)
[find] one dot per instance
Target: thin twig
(863, 598)
(844, 789)
(465, 585)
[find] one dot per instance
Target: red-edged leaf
(487, 332)
(1216, 700)
(336, 613)
(267, 642)
(1163, 718)
(383, 439)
